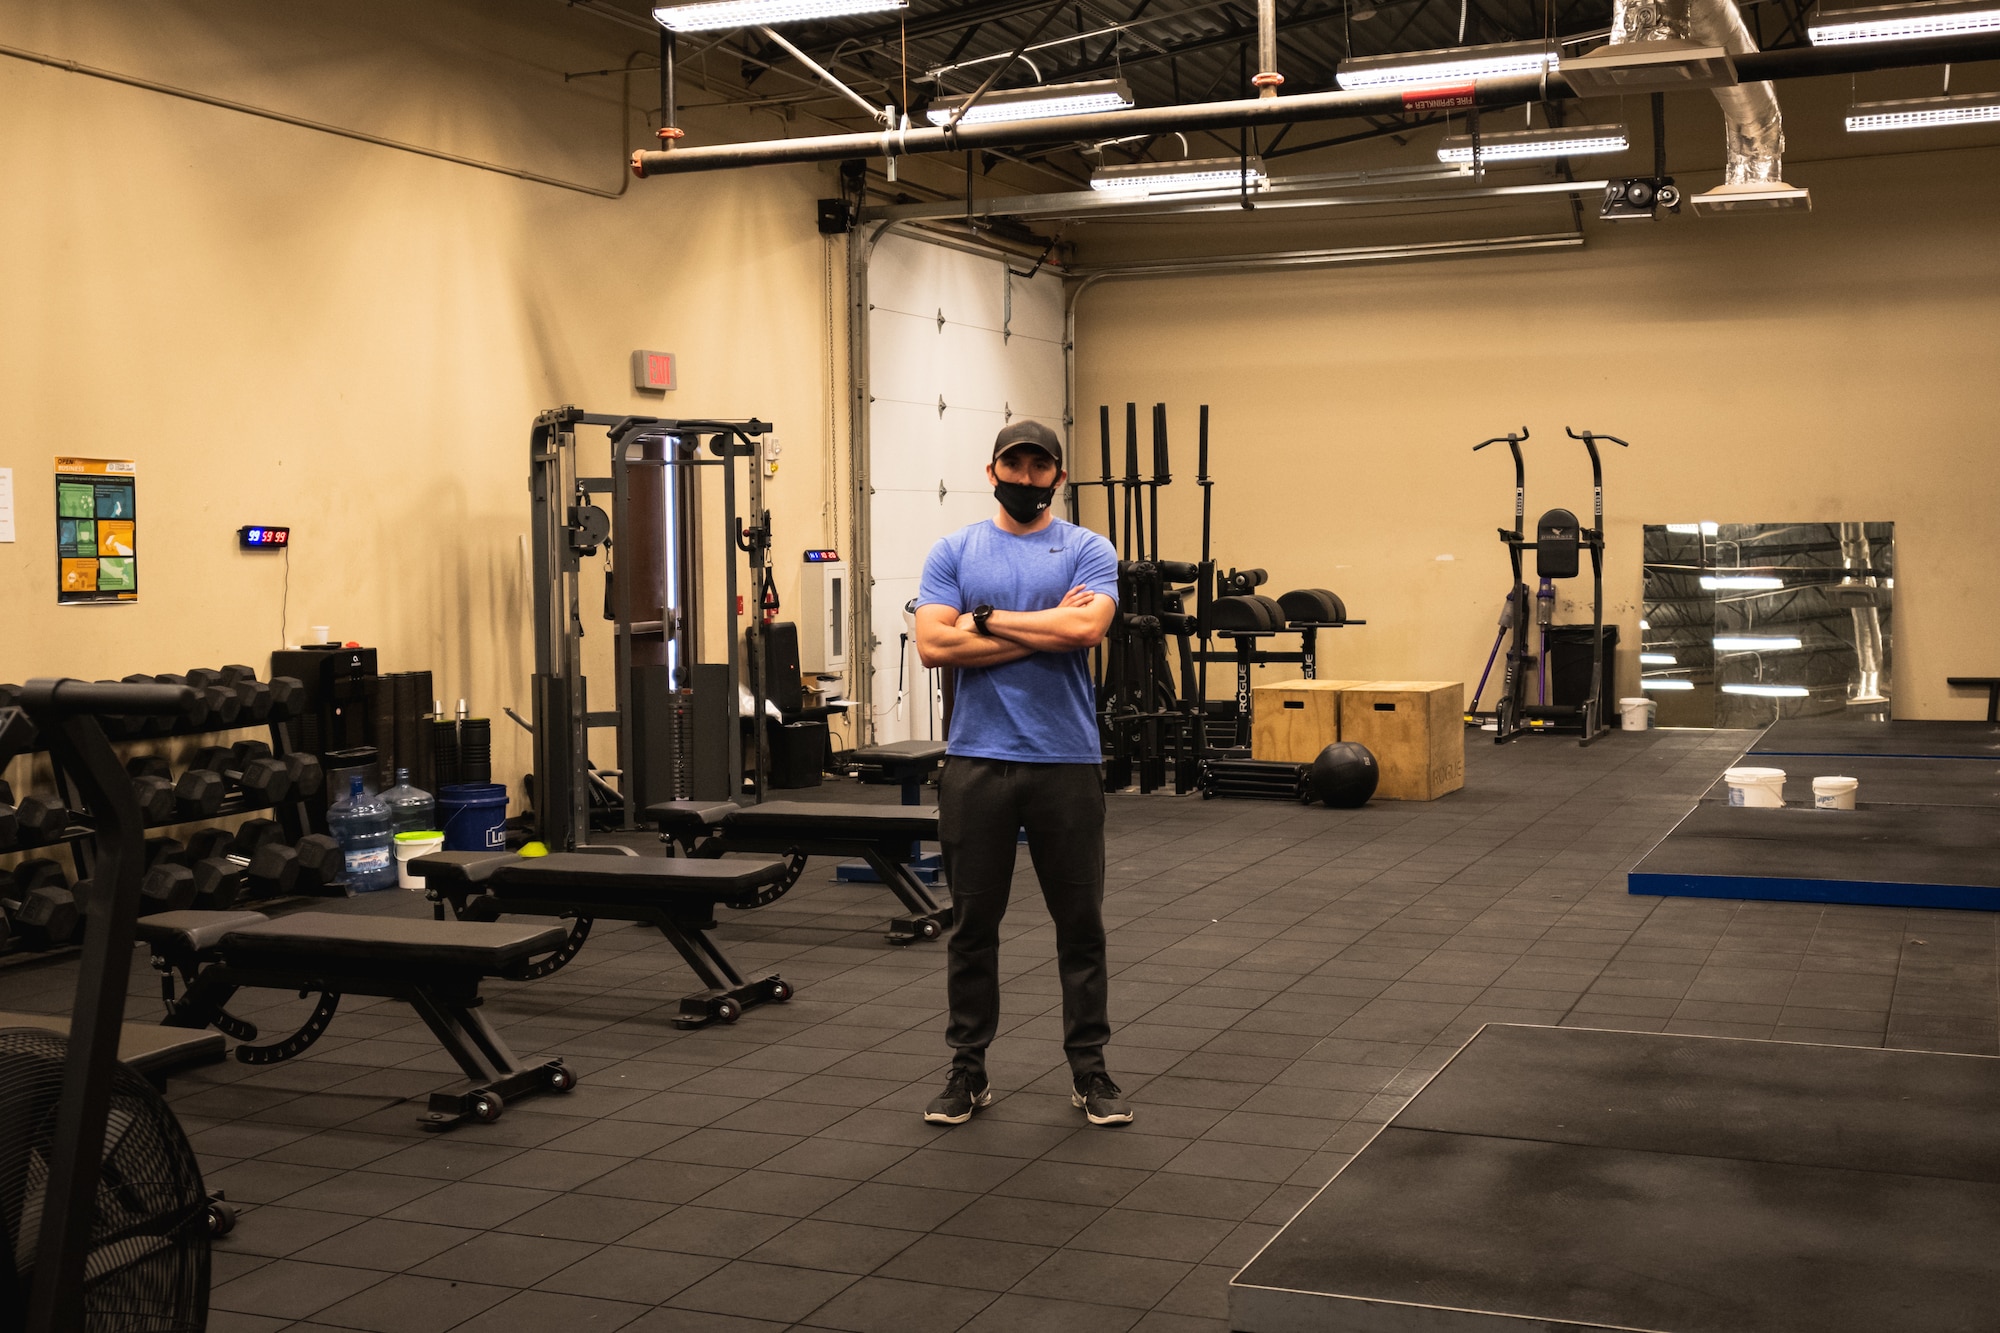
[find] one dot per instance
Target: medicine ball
(1344, 775)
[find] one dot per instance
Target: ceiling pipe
(1268, 78)
(1801, 62)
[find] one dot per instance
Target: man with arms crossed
(1014, 605)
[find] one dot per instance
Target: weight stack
(422, 763)
(1253, 779)
(444, 753)
(382, 724)
(403, 686)
(475, 750)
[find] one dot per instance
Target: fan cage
(147, 1270)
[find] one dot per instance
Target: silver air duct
(1753, 129)
(1662, 45)
(1861, 592)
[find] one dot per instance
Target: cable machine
(674, 712)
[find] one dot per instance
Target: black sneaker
(1100, 1100)
(964, 1092)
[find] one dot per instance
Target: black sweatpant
(982, 803)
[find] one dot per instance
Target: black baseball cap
(1029, 435)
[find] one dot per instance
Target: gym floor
(1285, 978)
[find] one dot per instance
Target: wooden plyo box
(1416, 731)
(1291, 721)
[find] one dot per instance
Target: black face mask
(1023, 503)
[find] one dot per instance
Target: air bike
(1559, 538)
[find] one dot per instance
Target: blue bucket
(473, 816)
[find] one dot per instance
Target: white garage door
(958, 346)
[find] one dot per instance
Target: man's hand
(945, 638)
(1078, 621)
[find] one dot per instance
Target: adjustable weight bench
(435, 967)
(885, 836)
(675, 896)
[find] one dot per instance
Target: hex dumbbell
(40, 906)
(153, 787)
(261, 777)
(36, 819)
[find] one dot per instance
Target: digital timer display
(261, 538)
(822, 557)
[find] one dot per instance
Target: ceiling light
(749, 13)
(1208, 173)
(1645, 624)
(1458, 64)
(1663, 65)
(1756, 197)
(1061, 99)
(1754, 582)
(1902, 23)
(1769, 691)
(1755, 643)
(1657, 659)
(1916, 113)
(1685, 529)
(1661, 683)
(1515, 145)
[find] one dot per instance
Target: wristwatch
(979, 614)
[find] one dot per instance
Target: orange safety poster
(97, 530)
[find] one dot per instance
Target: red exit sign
(653, 372)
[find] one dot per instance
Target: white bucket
(1834, 793)
(1635, 714)
(1756, 786)
(409, 846)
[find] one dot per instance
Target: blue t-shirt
(1041, 709)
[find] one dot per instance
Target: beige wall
(1828, 366)
(286, 326)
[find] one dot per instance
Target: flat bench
(677, 896)
(885, 836)
(435, 967)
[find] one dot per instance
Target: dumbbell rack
(294, 816)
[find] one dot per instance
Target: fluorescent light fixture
(753, 13)
(1662, 66)
(1750, 582)
(1657, 659)
(1757, 197)
(1057, 99)
(1685, 529)
(1769, 691)
(1457, 64)
(1902, 23)
(1207, 173)
(1645, 624)
(1916, 113)
(1756, 643)
(1520, 145)
(1662, 683)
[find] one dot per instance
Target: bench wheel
(486, 1105)
(781, 990)
(221, 1219)
(728, 1010)
(929, 929)
(561, 1079)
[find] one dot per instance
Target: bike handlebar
(1505, 439)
